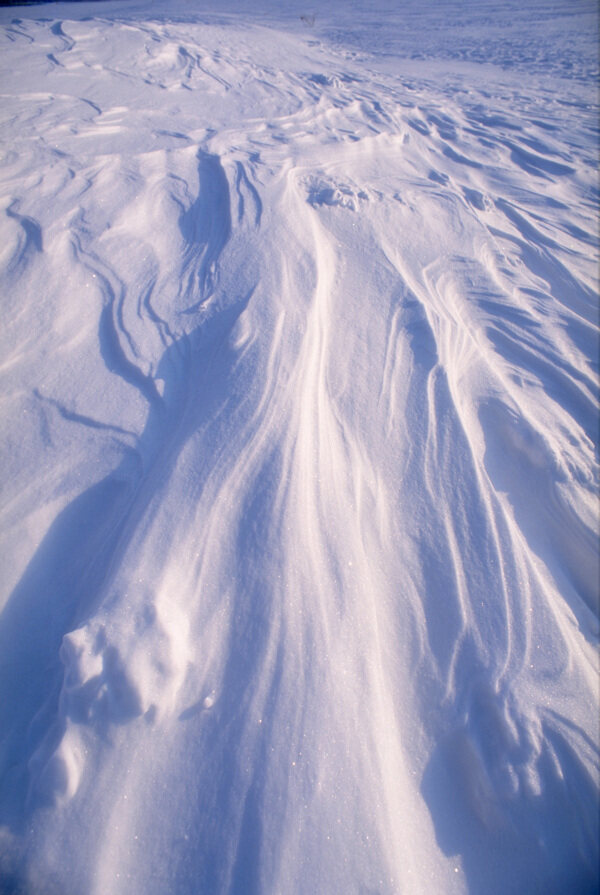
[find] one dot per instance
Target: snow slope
(300, 412)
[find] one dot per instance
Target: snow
(299, 520)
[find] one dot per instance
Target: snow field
(300, 524)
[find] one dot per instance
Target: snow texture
(299, 382)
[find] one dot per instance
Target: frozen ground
(299, 428)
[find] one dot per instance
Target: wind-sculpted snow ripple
(300, 369)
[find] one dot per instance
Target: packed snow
(299, 382)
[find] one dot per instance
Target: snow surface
(300, 412)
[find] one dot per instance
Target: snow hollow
(299, 389)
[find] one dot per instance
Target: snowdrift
(300, 412)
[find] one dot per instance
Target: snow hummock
(300, 400)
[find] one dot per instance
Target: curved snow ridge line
(114, 340)
(28, 240)
(130, 320)
(67, 42)
(206, 224)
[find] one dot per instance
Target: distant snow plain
(299, 382)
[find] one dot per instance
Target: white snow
(299, 520)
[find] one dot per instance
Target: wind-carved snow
(299, 522)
